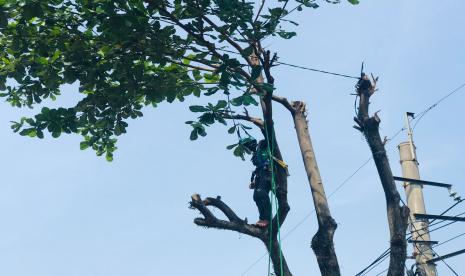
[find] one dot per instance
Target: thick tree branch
(322, 242)
(284, 102)
(234, 223)
(397, 214)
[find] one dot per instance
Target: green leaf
(354, 2)
(247, 99)
(3, 19)
(201, 131)
(84, 145)
(232, 129)
(56, 134)
(239, 151)
(194, 135)
(247, 51)
(109, 157)
(197, 108)
(237, 101)
(230, 147)
(286, 35)
(221, 104)
(197, 75)
(207, 118)
(31, 132)
(40, 134)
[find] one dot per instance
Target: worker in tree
(261, 180)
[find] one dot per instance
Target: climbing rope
(273, 199)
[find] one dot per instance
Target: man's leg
(262, 199)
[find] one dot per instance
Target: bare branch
(259, 11)
(256, 121)
(192, 66)
(218, 203)
(284, 102)
(234, 223)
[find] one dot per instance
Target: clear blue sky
(67, 212)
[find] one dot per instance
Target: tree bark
(275, 256)
(322, 242)
(397, 214)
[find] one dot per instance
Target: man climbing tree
(261, 183)
(261, 180)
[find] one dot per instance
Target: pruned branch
(284, 102)
(218, 203)
(234, 223)
(322, 241)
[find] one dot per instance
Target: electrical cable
(378, 259)
(423, 113)
(432, 250)
(451, 239)
(387, 251)
(317, 70)
(380, 262)
(382, 272)
(300, 67)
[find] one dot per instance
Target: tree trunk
(397, 215)
(322, 242)
(276, 259)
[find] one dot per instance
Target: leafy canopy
(127, 54)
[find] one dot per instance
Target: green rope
(274, 200)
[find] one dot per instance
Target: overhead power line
(317, 70)
(300, 67)
(451, 239)
(423, 113)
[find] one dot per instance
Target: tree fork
(397, 214)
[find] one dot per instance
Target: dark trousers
(261, 194)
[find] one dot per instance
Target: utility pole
(414, 193)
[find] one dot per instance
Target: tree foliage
(126, 55)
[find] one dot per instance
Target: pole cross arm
(421, 241)
(426, 216)
(446, 256)
(423, 182)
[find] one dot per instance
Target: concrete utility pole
(414, 192)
